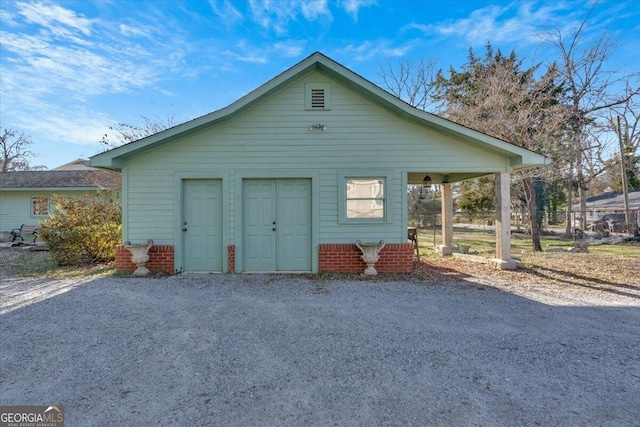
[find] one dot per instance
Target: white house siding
(273, 139)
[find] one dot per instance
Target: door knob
(184, 223)
(184, 229)
(274, 223)
(273, 229)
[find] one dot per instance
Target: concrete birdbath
(139, 256)
(370, 255)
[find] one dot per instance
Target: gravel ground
(197, 350)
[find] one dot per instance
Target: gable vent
(317, 98)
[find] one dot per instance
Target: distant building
(26, 196)
(609, 203)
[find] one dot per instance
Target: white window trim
(344, 175)
(31, 206)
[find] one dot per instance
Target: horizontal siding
(150, 206)
(15, 207)
(275, 136)
(290, 157)
(15, 210)
(335, 232)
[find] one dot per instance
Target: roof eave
(111, 159)
(522, 158)
(401, 108)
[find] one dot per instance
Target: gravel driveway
(292, 350)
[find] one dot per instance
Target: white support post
(503, 222)
(446, 248)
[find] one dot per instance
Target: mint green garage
(288, 177)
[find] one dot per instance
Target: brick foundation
(341, 258)
(346, 258)
(231, 263)
(160, 259)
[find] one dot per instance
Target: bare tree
(495, 95)
(413, 82)
(15, 152)
(624, 121)
(590, 89)
(124, 133)
(597, 147)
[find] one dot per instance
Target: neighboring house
(289, 177)
(78, 164)
(612, 203)
(26, 196)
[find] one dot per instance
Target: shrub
(83, 230)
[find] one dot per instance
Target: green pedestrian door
(202, 225)
(277, 224)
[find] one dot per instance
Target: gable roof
(519, 158)
(78, 164)
(91, 179)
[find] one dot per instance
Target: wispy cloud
(513, 23)
(276, 15)
(51, 53)
(136, 30)
(56, 18)
(7, 19)
(226, 11)
(314, 9)
(372, 49)
(64, 126)
(245, 52)
(272, 15)
(290, 48)
(77, 70)
(352, 7)
(74, 124)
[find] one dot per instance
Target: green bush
(83, 230)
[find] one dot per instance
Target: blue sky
(71, 69)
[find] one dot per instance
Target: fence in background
(599, 223)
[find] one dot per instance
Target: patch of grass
(29, 264)
(41, 264)
(483, 242)
(89, 270)
(627, 250)
(605, 267)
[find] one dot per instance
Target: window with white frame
(365, 198)
(39, 206)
